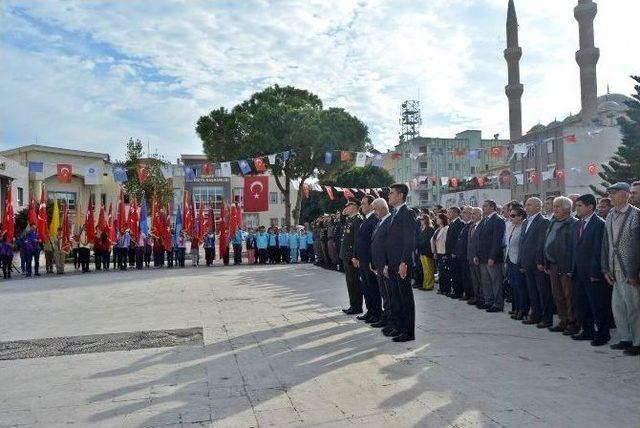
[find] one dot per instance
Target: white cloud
(91, 74)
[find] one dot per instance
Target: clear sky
(91, 74)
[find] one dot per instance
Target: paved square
(278, 352)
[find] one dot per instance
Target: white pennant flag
(338, 189)
(92, 174)
(520, 148)
(547, 175)
(520, 179)
(444, 181)
(167, 171)
(361, 158)
(272, 159)
(225, 169)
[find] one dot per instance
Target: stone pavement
(278, 352)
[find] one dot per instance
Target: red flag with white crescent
(64, 173)
(329, 191)
(348, 194)
(256, 194)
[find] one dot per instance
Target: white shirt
(529, 221)
(368, 215)
(587, 219)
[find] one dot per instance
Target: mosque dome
(536, 128)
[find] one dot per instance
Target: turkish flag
(64, 172)
(143, 174)
(207, 169)
(348, 194)
(259, 164)
(256, 194)
(496, 152)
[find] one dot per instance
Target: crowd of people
(575, 257)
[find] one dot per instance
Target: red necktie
(581, 231)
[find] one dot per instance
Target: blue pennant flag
(328, 158)
(120, 174)
(245, 168)
(36, 167)
(377, 161)
(189, 175)
(178, 228)
(286, 155)
(144, 220)
(473, 154)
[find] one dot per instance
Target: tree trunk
(287, 201)
(298, 207)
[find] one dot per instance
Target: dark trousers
(147, 255)
(371, 292)
(84, 256)
(25, 261)
(457, 276)
(354, 285)
(76, 258)
(406, 304)
(311, 254)
(97, 259)
(540, 297)
(170, 258)
(122, 258)
(180, 254)
(139, 257)
(444, 274)
(592, 302)
(209, 255)
(115, 257)
(385, 293)
(465, 284)
(36, 261)
(237, 254)
(104, 256)
(285, 254)
(518, 282)
(304, 255)
(262, 256)
(131, 256)
(7, 262)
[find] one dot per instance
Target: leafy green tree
(155, 181)
(625, 163)
(280, 119)
(361, 178)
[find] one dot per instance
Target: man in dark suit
(490, 256)
(461, 264)
(530, 263)
(379, 261)
(347, 244)
(362, 260)
(591, 296)
(454, 289)
(401, 244)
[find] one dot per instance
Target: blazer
(491, 239)
(532, 242)
(461, 249)
(378, 246)
(587, 250)
(347, 244)
(455, 227)
(362, 245)
(472, 241)
(402, 238)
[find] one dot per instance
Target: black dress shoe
(406, 338)
(394, 333)
(556, 328)
(543, 324)
(512, 312)
(599, 341)
(634, 350)
(582, 336)
(570, 331)
(372, 320)
(364, 317)
(387, 330)
(379, 324)
(494, 309)
(621, 345)
(530, 322)
(346, 311)
(471, 302)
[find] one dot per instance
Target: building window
(206, 194)
(196, 171)
(424, 165)
(473, 170)
(68, 198)
(283, 222)
(20, 198)
(273, 222)
(423, 149)
(238, 193)
(457, 167)
(273, 199)
(250, 220)
(450, 166)
(282, 198)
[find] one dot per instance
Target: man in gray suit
(472, 243)
(530, 262)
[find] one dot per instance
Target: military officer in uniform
(352, 223)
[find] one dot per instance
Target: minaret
(514, 89)
(587, 58)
